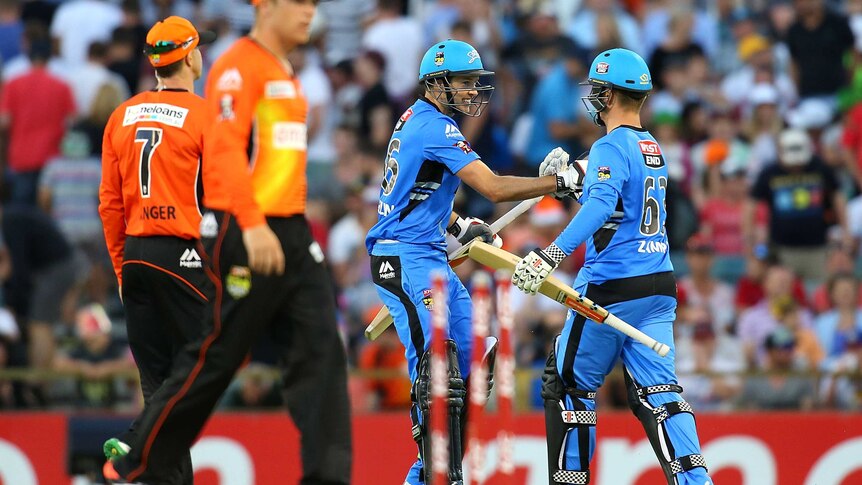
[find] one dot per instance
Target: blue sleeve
(444, 143)
(607, 172)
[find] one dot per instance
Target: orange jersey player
(150, 206)
(151, 168)
(269, 274)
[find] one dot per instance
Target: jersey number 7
(149, 138)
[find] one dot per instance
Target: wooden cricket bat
(383, 319)
(560, 292)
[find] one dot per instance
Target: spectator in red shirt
(34, 111)
(749, 288)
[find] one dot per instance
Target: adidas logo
(452, 131)
(190, 259)
(386, 271)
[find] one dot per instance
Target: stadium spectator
(400, 40)
(374, 107)
(706, 297)
(69, 192)
(79, 23)
(677, 48)
(749, 288)
(107, 98)
(800, 191)
(759, 66)
(344, 21)
(583, 27)
(124, 56)
(11, 29)
(762, 125)
(778, 391)
(35, 109)
(318, 92)
(839, 330)
(655, 30)
(95, 359)
(776, 307)
(256, 387)
(35, 32)
(89, 76)
(839, 261)
(559, 117)
(44, 270)
(386, 355)
(818, 40)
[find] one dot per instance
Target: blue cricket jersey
(419, 182)
(623, 209)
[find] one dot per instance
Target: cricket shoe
(113, 449)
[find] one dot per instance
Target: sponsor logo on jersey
(652, 246)
(190, 259)
(652, 153)
(166, 114)
(439, 58)
(230, 80)
(226, 108)
(209, 225)
(602, 68)
(279, 90)
(386, 271)
(238, 281)
(289, 135)
(406, 115)
(464, 146)
(428, 299)
(604, 172)
(473, 56)
(452, 131)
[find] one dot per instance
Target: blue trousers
(402, 273)
(587, 351)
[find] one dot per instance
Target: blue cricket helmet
(621, 69)
(451, 57)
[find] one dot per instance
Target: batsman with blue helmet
(426, 161)
(627, 270)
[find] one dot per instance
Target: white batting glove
(570, 181)
(465, 230)
(555, 161)
(532, 271)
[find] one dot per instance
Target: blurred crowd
(757, 108)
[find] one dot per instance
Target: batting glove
(555, 161)
(532, 271)
(570, 181)
(465, 230)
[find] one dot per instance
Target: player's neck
(183, 80)
(271, 42)
(616, 119)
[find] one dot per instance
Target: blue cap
(451, 57)
(621, 69)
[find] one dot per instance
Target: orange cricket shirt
(151, 168)
(256, 161)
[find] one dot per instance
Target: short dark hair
(631, 100)
(170, 70)
(97, 50)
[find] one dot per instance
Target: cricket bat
(560, 292)
(383, 319)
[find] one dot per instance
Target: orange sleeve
(111, 207)
(227, 147)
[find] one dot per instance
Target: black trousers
(297, 312)
(164, 298)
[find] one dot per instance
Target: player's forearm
(589, 219)
(506, 188)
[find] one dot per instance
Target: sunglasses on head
(164, 46)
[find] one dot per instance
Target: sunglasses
(164, 46)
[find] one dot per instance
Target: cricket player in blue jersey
(628, 271)
(425, 163)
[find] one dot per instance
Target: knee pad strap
(572, 477)
(669, 409)
(686, 463)
(647, 390)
